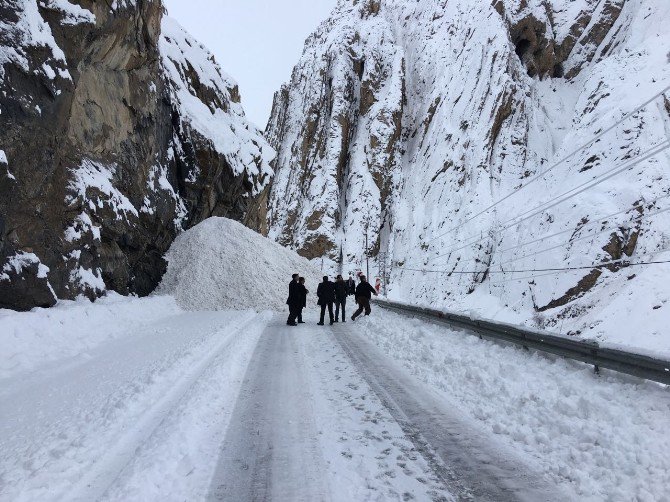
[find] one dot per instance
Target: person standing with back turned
(326, 294)
(364, 292)
(294, 300)
(303, 301)
(341, 292)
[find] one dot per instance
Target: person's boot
(336, 320)
(319, 323)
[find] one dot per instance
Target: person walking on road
(341, 292)
(364, 292)
(351, 285)
(326, 294)
(294, 300)
(303, 293)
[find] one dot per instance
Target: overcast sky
(257, 42)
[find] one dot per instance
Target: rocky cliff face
(411, 118)
(118, 130)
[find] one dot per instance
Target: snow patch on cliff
(21, 260)
(98, 177)
(30, 30)
(72, 13)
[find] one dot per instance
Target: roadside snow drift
(221, 264)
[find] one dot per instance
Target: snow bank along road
(238, 406)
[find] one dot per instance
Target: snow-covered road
(323, 415)
(238, 406)
(129, 419)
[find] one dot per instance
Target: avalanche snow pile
(408, 119)
(221, 264)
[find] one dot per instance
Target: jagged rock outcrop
(117, 130)
(410, 118)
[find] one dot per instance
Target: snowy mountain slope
(118, 130)
(413, 118)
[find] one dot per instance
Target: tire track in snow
(103, 474)
(271, 451)
(459, 454)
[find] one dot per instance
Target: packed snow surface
(124, 394)
(29, 340)
(221, 264)
(604, 437)
(136, 399)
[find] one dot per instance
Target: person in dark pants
(341, 292)
(326, 294)
(294, 300)
(304, 293)
(364, 292)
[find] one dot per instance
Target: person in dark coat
(304, 293)
(364, 292)
(351, 284)
(326, 294)
(341, 292)
(294, 300)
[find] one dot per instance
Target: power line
(567, 157)
(562, 269)
(591, 223)
(516, 220)
(590, 236)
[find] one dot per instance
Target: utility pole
(367, 254)
(382, 257)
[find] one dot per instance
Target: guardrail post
(596, 368)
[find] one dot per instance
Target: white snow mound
(221, 264)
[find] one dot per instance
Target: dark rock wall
(103, 171)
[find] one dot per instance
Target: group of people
(329, 293)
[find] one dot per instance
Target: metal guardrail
(586, 351)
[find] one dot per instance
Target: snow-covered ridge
(209, 101)
(409, 118)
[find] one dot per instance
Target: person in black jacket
(326, 294)
(341, 292)
(364, 292)
(294, 300)
(304, 293)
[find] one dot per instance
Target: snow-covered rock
(221, 264)
(121, 130)
(410, 118)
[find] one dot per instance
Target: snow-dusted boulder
(221, 264)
